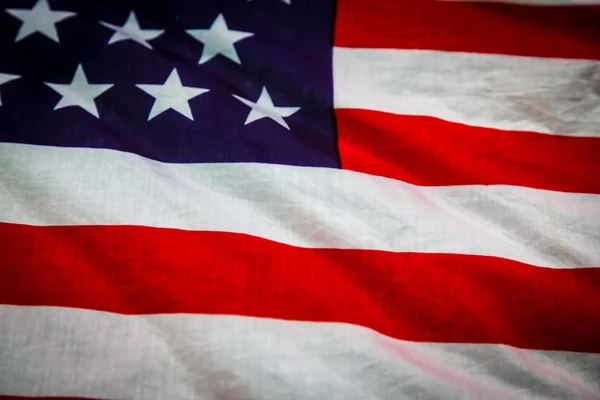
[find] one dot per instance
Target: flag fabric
(299, 199)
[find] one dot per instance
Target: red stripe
(422, 297)
(569, 32)
(428, 151)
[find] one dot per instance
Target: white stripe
(506, 92)
(308, 207)
(72, 352)
(535, 2)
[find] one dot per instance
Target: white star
(219, 39)
(264, 108)
(79, 92)
(132, 31)
(40, 19)
(172, 95)
(6, 78)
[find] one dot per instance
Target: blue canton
(176, 81)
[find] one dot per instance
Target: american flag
(299, 199)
